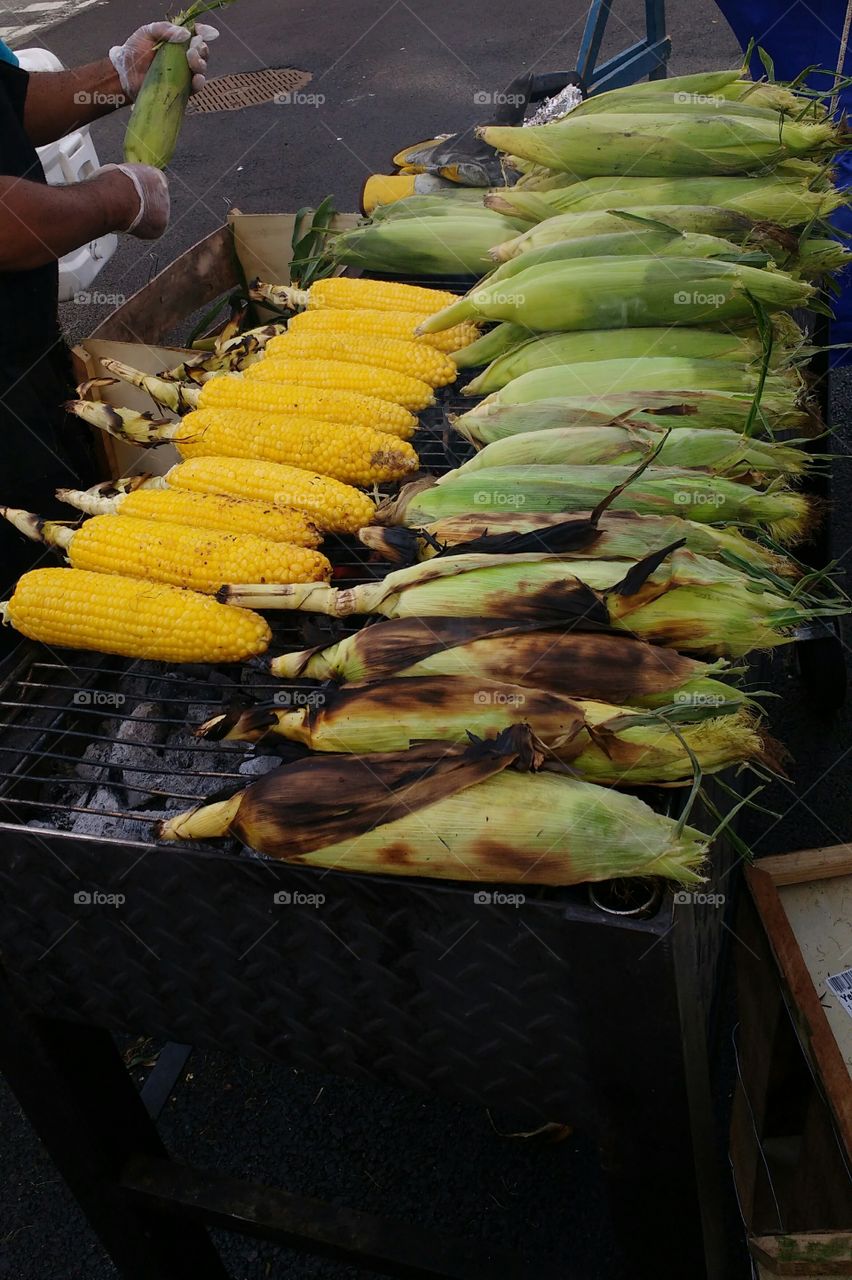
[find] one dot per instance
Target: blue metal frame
(647, 57)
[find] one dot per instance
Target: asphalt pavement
(388, 74)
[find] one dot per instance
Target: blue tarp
(6, 54)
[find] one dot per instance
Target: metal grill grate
(248, 89)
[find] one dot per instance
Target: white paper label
(840, 984)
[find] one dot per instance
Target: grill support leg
(73, 1086)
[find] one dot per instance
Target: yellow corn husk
(109, 613)
(452, 812)
(346, 293)
(717, 451)
(354, 455)
(433, 708)
(709, 499)
(616, 535)
(655, 145)
(200, 559)
(606, 668)
(398, 325)
(333, 506)
(241, 392)
(344, 375)
(614, 293)
(413, 358)
(201, 511)
(683, 601)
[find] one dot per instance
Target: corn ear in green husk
(447, 245)
(502, 338)
(471, 813)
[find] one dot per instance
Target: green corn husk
(605, 668)
(668, 145)
(786, 516)
(710, 220)
(448, 245)
(503, 337)
(452, 201)
(781, 201)
(679, 600)
(698, 409)
(778, 96)
(613, 535)
(472, 813)
(698, 106)
(601, 742)
(617, 293)
(820, 256)
(544, 351)
(703, 83)
(718, 451)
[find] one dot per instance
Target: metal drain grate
(248, 89)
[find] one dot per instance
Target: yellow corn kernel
(201, 559)
(356, 292)
(333, 506)
(382, 324)
(413, 358)
(341, 375)
(110, 613)
(230, 515)
(235, 392)
(355, 455)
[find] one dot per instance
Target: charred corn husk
(601, 742)
(545, 351)
(613, 293)
(414, 358)
(718, 451)
(614, 535)
(345, 293)
(682, 600)
(200, 510)
(201, 559)
(710, 499)
(676, 145)
(109, 613)
(606, 668)
(332, 506)
(420, 812)
(355, 455)
(344, 375)
(177, 396)
(398, 325)
(234, 391)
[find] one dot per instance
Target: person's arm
(58, 102)
(39, 224)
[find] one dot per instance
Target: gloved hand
(152, 189)
(133, 58)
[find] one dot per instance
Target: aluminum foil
(557, 107)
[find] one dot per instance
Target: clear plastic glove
(133, 58)
(152, 189)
